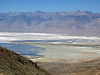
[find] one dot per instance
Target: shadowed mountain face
(14, 64)
(71, 23)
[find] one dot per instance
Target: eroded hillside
(14, 64)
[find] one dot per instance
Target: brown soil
(14, 64)
(81, 67)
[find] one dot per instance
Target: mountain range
(78, 23)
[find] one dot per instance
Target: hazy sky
(49, 5)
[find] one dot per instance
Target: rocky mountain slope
(81, 67)
(71, 23)
(14, 64)
(95, 71)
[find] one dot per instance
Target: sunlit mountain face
(78, 23)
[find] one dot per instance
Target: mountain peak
(39, 11)
(77, 11)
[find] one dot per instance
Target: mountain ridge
(13, 64)
(80, 23)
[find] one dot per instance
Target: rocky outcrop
(14, 64)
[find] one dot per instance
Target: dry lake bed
(48, 47)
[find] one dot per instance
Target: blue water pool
(23, 49)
